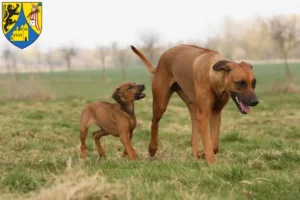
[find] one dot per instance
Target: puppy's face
(240, 82)
(128, 92)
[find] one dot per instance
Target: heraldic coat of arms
(22, 22)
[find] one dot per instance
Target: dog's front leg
(125, 152)
(215, 123)
(203, 118)
(125, 139)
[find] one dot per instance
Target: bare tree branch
(150, 40)
(49, 60)
(68, 53)
(7, 55)
(102, 53)
(10, 60)
(285, 31)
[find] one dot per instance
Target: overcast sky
(88, 23)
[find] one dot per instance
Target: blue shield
(22, 22)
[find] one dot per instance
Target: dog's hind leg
(83, 134)
(162, 92)
(85, 122)
(97, 136)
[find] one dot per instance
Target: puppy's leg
(85, 121)
(97, 136)
(162, 92)
(125, 139)
(83, 134)
(125, 152)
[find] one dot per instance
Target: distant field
(259, 156)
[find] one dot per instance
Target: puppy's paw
(102, 155)
(83, 154)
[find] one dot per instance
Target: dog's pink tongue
(246, 108)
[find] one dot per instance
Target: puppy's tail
(148, 64)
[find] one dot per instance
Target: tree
(103, 52)
(122, 61)
(6, 55)
(229, 37)
(256, 40)
(38, 59)
(120, 58)
(49, 60)
(285, 30)
(10, 60)
(68, 53)
(149, 41)
(213, 42)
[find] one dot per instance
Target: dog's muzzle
(244, 103)
(140, 95)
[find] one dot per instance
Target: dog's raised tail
(148, 64)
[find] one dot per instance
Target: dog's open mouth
(243, 108)
(140, 96)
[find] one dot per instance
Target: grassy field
(39, 139)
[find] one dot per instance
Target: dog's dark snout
(142, 87)
(254, 101)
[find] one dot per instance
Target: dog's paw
(201, 155)
(124, 154)
(152, 151)
(83, 154)
(101, 154)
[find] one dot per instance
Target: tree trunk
(288, 74)
(104, 79)
(123, 73)
(7, 67)
(69, 64)
(14, 66)
(51, 67)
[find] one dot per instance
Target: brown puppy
(205, 82)
(113, 119)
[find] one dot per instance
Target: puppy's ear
(247, 64)
(223, 65)
(116, 95)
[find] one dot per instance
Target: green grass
(259, 156)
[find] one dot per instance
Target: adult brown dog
(204, 81)
(113, 119)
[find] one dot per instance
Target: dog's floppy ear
(223, 65)
(248, 64)
(116, 95)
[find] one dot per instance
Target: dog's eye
(242, 84)
(130, 87)
(254, 83)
